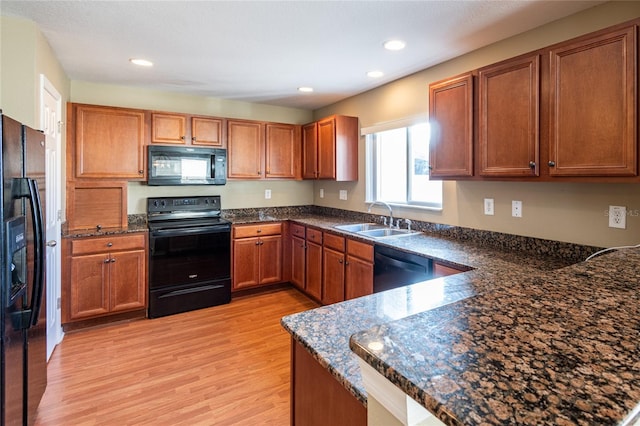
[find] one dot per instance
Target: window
(398, 167)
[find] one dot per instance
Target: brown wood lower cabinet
(317, 399)
(257, 255)
(313, 259)
(103, 276)
(440, 270)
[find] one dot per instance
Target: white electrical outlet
(488, 206)
(617, 217)
(516, 208)
(267, 194)
(343, 194)
(321, 193)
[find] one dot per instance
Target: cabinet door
(332, 277)
(282, 151)
(358, 278)
(298, 262)
(594, 106)
(314, 270)
(168, 128)
(451, 119)
(245, 148)
(310, 151)
(246, 263)
(206, 131)
(89, 286)
(327, 149)
(270, 259)
(127, 280)
(508, 112)
(109, 142)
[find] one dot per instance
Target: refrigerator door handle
(38, 232)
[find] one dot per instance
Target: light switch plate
(488, 206)
(343, 194)
(321, 193)
(267, 194)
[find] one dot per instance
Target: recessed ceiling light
(305, 89)
(375, 74)
(394, 45)
(141, 62)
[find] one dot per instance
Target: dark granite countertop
(521, 338)
(77, 233)
(544, 349)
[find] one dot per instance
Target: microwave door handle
(38, 231)
(213, 167)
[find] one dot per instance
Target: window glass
(398, 167)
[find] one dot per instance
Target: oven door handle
(190, 231)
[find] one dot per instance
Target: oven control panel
(184, 204)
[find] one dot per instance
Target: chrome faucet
(388, 206)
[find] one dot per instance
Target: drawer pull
(109, 244)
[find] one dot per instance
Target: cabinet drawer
(112, 243)
(334, 242)
(314, 235)
(297, 230)
(245, 231)
(362, 250)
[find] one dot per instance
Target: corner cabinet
(257, 255)
(257, 150)
(593, 91)
(330, 149)
(104, 276)
(106, 142)
(451, 120)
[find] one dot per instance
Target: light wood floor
(226, 365)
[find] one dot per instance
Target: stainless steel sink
(387, 232)
(359, 227)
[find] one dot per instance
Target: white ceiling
(262, 51)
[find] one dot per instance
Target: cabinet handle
(140, 172)
(339, 260)
(106, 260)
(181, 137)
(193, 138)
(346, 263)
(532, 164)
(261, 242)
(259, 231)
(113, 260)
(109, 244)
(552, 163)
(258, 172)
(257, 243)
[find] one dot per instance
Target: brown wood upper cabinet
(593, 91)
(170, 128)
(508, 113)
(451, 120)
(258, 150)
(106, 142)
(567, 112)
(330, 149)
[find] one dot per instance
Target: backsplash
(507, 242)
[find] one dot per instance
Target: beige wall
(24, 55)
(558, 211)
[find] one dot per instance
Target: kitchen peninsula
(510, 341)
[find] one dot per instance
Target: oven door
(189, 268)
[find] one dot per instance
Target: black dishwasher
(395, 268)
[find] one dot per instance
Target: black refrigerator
(23, 373)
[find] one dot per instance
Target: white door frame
(55, 334)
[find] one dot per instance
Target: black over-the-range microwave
(182, 165)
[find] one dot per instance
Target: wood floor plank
(225, 365)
